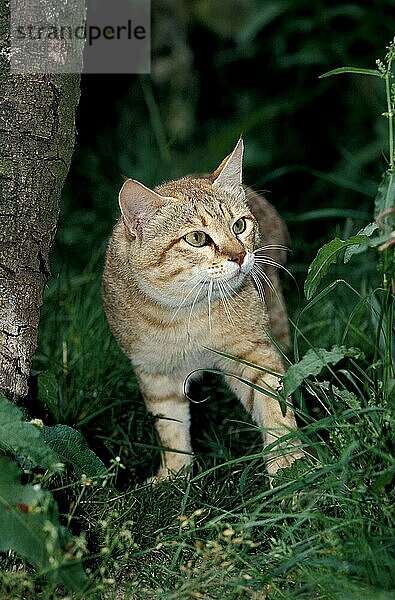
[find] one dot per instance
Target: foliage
(328, 255)
(29, 520)
(71, 448)
(23, 438)
(312, 363)
(385, 197)
(378, 234)
(29, 525)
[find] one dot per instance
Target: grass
(326, 530)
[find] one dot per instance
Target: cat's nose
(238, 257)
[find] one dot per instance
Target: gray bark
(37, 134)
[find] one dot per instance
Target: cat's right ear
(230, 171)
(138, 203)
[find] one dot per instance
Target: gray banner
(97, 36)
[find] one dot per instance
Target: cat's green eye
(239, 226)
(196, 238)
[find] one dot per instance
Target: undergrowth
(326, 527)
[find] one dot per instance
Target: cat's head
(191, 234)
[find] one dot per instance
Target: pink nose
(238, 257)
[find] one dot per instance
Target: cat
(185, 271)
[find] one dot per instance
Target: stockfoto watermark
(99, 36)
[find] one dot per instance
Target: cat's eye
(196, 238)
(239, 226)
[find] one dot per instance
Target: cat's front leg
(265, 410)
(164, 398)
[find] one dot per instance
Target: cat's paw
(166, 473)
(160, 476)
(282, 461)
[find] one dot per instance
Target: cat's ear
(138, 203)
(230, 171)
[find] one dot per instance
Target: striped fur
(167, 301)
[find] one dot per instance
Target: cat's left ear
(230, 171)
(138, 204)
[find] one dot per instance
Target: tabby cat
(187, 267)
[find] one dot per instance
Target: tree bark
(37, 135)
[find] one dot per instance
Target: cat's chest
(177, 348)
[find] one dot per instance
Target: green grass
(326, 530)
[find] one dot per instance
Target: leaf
(29, 525)
(385, 478)
(45, 446)
(385, 197)
(294, 472)
(23, 438)
(70, 447)
(353, 70)
(347, 397)
(357, 249)
(312, 363)
(326, 256)
(48, 392)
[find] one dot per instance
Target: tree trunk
(37, 134)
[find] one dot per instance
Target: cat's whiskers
(259, 285)
(259, 266)
(232, 294)
(273, 263)
(260, 272)
(224, 301)
(272, 247)
(209, 293)
(203, 283)
(186, 297)
(268, 260)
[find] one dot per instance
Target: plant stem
(390, 118)
(389, 330)
(387, 302)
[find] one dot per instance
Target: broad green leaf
(71, 448)
(356, 249)
(353, 70)
(29, 525)
(326, 256)
(312, 363)
(22, 438)
(385, 197)
(368, 243)
(48, 392)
